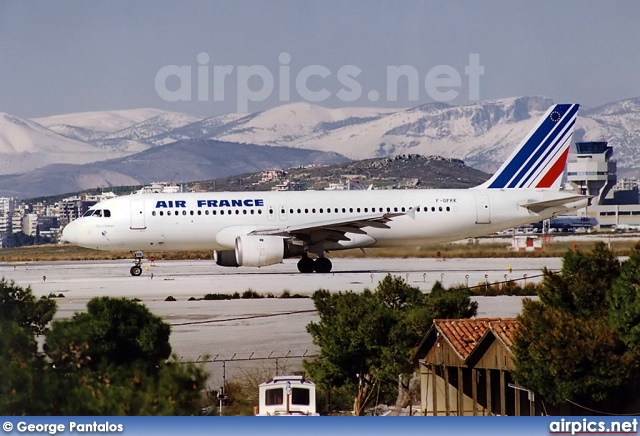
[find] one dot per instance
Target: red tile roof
(504, 329)
(464, 334)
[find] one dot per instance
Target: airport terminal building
(592, 171)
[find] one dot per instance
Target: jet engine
(258, 250)
(225, 257)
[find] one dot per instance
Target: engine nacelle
(258, 250)
(225, 258)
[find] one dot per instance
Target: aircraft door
(483, 210)
(137, 215)
(283, 213)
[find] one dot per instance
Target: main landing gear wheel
(135, 270)
(305, 265)
(322, 265)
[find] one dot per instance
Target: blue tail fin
(539, 160)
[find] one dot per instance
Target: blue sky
(71, 56)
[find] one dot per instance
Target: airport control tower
(592, 171)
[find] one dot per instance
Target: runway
(262, 329)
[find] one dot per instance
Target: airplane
(567, 223)
(258, 229)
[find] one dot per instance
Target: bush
(217, 297)
(250, 294)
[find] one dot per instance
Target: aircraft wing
(336, 229)
(539, 206)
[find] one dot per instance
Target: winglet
(540, 159)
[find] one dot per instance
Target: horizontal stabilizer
(539, 206)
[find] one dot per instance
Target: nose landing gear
(136, 269)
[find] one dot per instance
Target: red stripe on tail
(554, 172)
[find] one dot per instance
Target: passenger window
(237, 212)
(403, 209)
(206, 212)
(191, 212)
(252, 211)
(153, 213)
(168, 212)
(313, 210)
(320, 210)
(366, 209)
(433, 209)
(161, 213)
(336, 210)
(184, 212)
(259, 211)
(344, 210)
(244, 211)
(440, 208)
(395, 209)
(448, 209)
(350, 210)
(213, 212)
(199, 212)
(299, 211)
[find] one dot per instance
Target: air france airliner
(263, 228)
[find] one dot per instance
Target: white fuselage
(213, 220)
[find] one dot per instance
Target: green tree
(21, 382)
(624, 302)
(367, 338)
(111, 360)
(568, 358)
(568, 345)
(581, 286)
(19, 305)
(113, 330)
(351, 333)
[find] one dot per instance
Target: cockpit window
(98, 213)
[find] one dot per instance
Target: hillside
(182, 161)
(404, 171)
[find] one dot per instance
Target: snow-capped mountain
(125, 132)
(26, 145)
(154, 126)
(293, 123)
(482, 133)
(619, 124)
(101, 121)
(204, 129)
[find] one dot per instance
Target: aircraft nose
(70, 233)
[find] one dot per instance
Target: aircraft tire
(322, 265)
(306, 265)
(135, 271)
